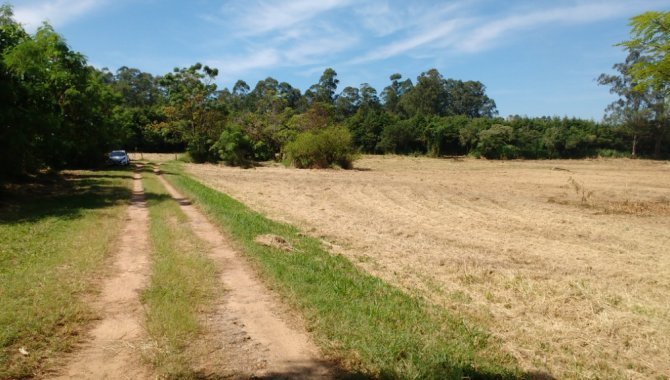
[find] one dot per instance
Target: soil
(259, 337)
(114, 349)
(566, 261)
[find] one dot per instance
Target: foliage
(56, 111)
(321, 149)
(643, 83)
(403, 137)
(366, 127)
(651, 37)
(234, 147)
(192, 110)
(495, 142)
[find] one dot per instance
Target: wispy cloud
(484, 36)
(231, 66)
(460, 28)
(56, 12)
(443, 31)
(381, 18)
(267, 16)
(282, 34)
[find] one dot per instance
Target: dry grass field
(568, 262)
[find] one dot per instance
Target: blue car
(119, 157)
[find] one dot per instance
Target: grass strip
(182, 285)
(54, 238)
(374, 328)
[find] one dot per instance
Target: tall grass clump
(372, 327)
(321, 149)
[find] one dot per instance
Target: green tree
(469, 99)
(642, 111)
(348, 102)
(366, 127)
(428, 97)
(63, 116)
(324, 91)
(650, 34)
(192, 108)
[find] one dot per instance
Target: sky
(536, 57)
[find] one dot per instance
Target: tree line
(57, 111)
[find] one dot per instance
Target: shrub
(495, 142)
(234, 147)
(198, 149)
(321, 149)
(403, 137)
(612, 153)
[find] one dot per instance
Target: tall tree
(347, 102)
(324, 91)
(427, 97)
(392, 94)
(469, 99)
(632, 110)
(369, 98)
(65, 106)
(192, 108)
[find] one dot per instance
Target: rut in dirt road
(250, 323)
(114, 350)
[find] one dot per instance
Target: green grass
(182, 286)
(373, 328)
(55, 236)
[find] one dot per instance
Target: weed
(580, 190)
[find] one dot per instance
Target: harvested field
(567, 261)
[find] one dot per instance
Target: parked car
(119, 157)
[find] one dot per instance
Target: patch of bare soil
(569, 266)
(256, 338)
(274, 241)
(114, 350)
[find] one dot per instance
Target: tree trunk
(634, 153)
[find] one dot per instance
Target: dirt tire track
(114, 350)
(257, 341)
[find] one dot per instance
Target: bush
(322, 149)
(612, 153)
(403, 137)
(198, 149)
(234, 147)
(495, 142)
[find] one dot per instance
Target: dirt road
(567, 261)
(255, 335)
(260, 337)
(114, 350)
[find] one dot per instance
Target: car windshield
(118, 153)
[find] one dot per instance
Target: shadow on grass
(158, 198)
(310, 372)
(64, 196)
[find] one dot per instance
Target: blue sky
(535, 57)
